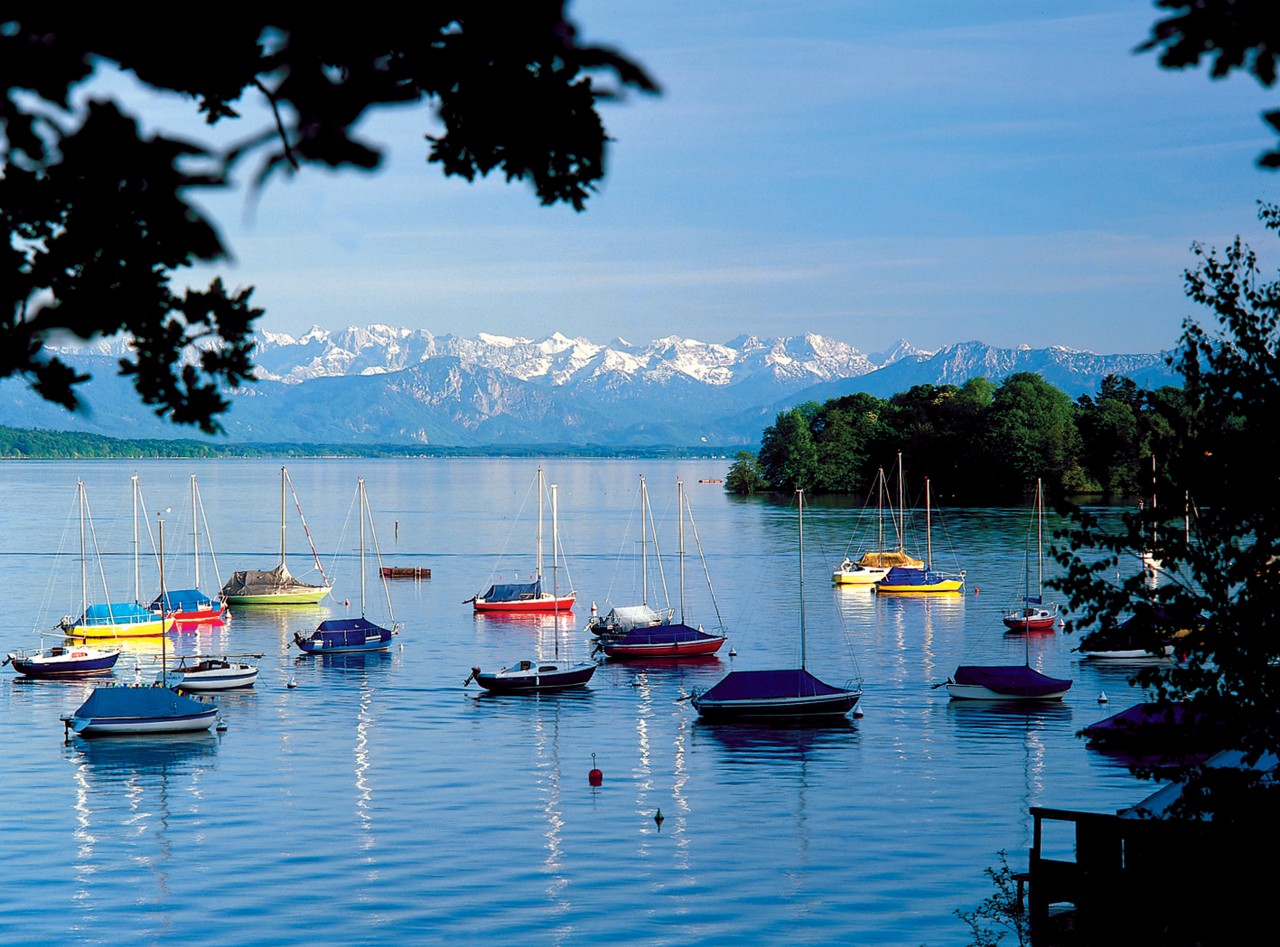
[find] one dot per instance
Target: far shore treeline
(27, 444)
(977, 442)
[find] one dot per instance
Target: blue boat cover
(139, 702)
(899, 576)
(117, 613)
(661, 634)
(1014, 680)
(349, 631)
(764, 685)
(184, 600)
(513, 591)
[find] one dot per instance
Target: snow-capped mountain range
(379, 384)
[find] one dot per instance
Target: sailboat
(192, 605)
(623, 618)
(535, 676)
(665, 639)
(788, 693)
(58, 661)
(278, 586)
(908, 580)
(875, 564)
(1151, 563)
(1033, 616)
(347, 635)
(526, 596)
(1008, 682)
(101, 620)
(122, 710)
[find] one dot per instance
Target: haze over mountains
(381, 385)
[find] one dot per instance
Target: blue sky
(938, 171)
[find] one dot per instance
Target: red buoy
(595, 777)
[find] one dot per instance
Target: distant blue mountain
(397, 386)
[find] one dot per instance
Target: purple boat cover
(662, 634)
(762, 685)
(1015, 680)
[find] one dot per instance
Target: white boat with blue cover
(115, 710)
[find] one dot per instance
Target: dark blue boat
(344, 635)
(783, 694)
(348, 635)
(765, 695)
(1005, 682)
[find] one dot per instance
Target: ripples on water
(379, 800)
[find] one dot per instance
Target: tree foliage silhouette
(97, 215)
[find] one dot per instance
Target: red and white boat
(528, 596)
(1033, 615)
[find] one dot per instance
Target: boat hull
(140, 629)
(786, 694)
(826, 707)
(661, 641)
(673, 649)
(112, 711)
(858, 576)
(234, 677)
(1037, 620)
(109, 726)
(942, 585)
(1005, 683)
(64, 662)
(1129, 654)
(546, 603)
(978, 692)
(310, 596)
(536, 678)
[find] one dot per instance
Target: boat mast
(928, 528)
(360, 480)
(902, 509)
(539, 572)
(195, 529)
(644, 545)
(164, 649)
(880, 515)
(137, 593)
(1039, 542)
(84, 557)
(283, 475)
(680, 501)
(555, 561)
(800, 506)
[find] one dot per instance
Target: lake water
(381, 801)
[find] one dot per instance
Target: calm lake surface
(381, 801)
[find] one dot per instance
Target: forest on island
(977, 442)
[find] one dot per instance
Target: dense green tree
(846, 432)
(97, 217)
(1032, 427)
(745, 477)
(1225, 569)
(788, 454)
